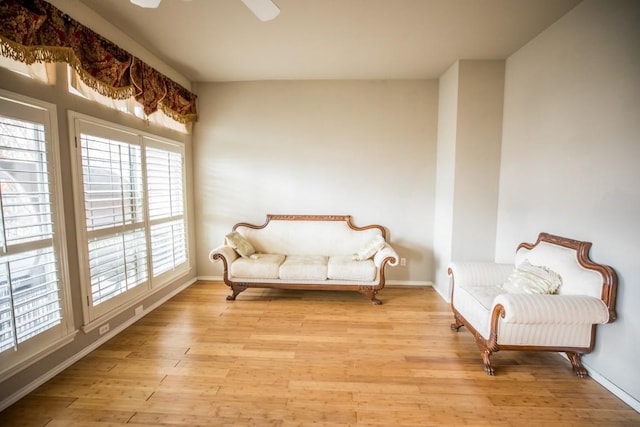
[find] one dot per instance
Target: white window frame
(95, 315)
(35, 348)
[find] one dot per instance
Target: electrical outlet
(139, 310)
(104, 329)
(403, 262)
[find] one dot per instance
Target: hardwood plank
(290, 358)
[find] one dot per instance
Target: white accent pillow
(370, 249)
(237, 241)
(532, 279)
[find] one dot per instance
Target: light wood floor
(298, 358)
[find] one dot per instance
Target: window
(166, 207)
(131, 201)
(42, 72)
(34, 305)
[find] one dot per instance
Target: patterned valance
(35, 31)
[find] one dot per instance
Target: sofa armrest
(227, 252)
(479, 273)
(387, 252)
(552, 309)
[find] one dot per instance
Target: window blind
(166, 209)
(30, 297)
(132, 203)
(114, 214)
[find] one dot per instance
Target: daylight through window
(133, 210)
(32, 295)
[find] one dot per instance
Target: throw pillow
(532, 279)
(238, 242)
(370, 249)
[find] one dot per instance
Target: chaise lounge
(551, 300)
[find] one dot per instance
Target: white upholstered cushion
(576, 280)
(576, 336)
(259, 266)
(553, 309)
(240, 244)
(308, 237)
(479, 273)
(473, 310)
(226, 251)
(304, 267)
(370, 249)
(527, 278)
(384, 253)
(343, 267)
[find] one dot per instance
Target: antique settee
(550, 300)
(311, 252)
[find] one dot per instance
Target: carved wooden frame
(489, 346)
(370, 291)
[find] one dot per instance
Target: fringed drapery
(35, 31)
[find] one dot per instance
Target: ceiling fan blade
(150, 4)
(265, 10)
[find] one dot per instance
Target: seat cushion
(258, 266)
(304, 267)
(343, 267)
(474, 303)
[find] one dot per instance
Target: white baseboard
(13, 398)
(417, 283)
(446, 298)
(617, 391)
(211, 278)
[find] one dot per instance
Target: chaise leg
(456, 325)
(486, 359)
(576, 362)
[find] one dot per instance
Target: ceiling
(221, 40)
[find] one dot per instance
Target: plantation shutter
(114, 212)
(31, 299)
(130, 195)
(165, 184)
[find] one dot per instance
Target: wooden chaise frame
(370, 291)
(609, 288)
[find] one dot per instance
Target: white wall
(479, 137)
(445, 176)
(363, 148)
(469, 137)
(571, 158)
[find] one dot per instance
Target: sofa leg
(236, 289)
(371, 294)
(576, 362)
